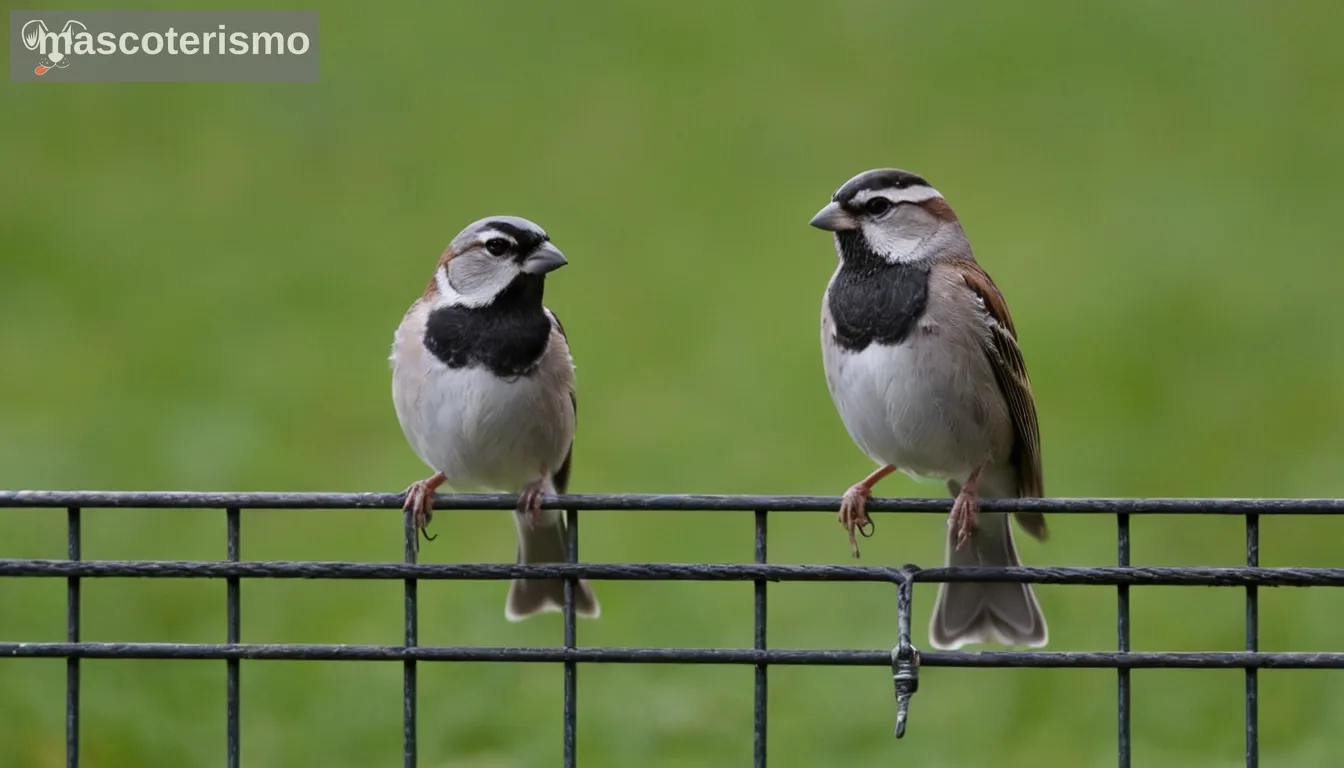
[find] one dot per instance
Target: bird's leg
(853, 516)
(529, 501)
(420, 502)
(964, 509)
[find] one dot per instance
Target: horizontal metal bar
(1134, 659)
(266, 651)
(658, 502)
(216, 569)
(1111, 575)
(1103, 575)
(738, 656)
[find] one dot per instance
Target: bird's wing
(560, 480)
(1010, 369)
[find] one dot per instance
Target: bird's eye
(877, 206)
(496, 245)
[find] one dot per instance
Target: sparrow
(923, 365)
(483, 385)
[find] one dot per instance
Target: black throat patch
(507, 336)
(872, 300)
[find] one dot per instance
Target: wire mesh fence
(903, 661)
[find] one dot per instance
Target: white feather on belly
(921, 405)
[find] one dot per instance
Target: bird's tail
(971, 612)
(545, 542)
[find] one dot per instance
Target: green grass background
(199, 283)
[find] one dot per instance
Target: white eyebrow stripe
(486, 235)
(916, 194)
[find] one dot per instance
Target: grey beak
(544, 258)
(833, 218)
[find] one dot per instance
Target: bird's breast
(483, 430)
(876, 302)
(928, 404)
(506, 340)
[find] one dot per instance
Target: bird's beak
(544, 258)
(833, 218)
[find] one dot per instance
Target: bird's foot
(854, 516)
(420, 503)
(529, 501)
(963, 517)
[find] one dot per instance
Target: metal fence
(903, 661)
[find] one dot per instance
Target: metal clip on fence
(904, 657)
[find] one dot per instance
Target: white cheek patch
(895, 244)
(447, 295)
(916, 194)
(473, 280)
(899, 234)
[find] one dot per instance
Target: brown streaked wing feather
(1011, 371)
(561, 477)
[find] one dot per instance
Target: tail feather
(545, 542)
(971, 612)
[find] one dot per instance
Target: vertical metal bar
(571, 670)
(1252, 645)
(408, 687)
(759, 730)
(234, 635)
(1122, 630)
(73, 552)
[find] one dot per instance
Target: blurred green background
(199, 284)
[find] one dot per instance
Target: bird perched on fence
(483, 385)
(922, 361)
